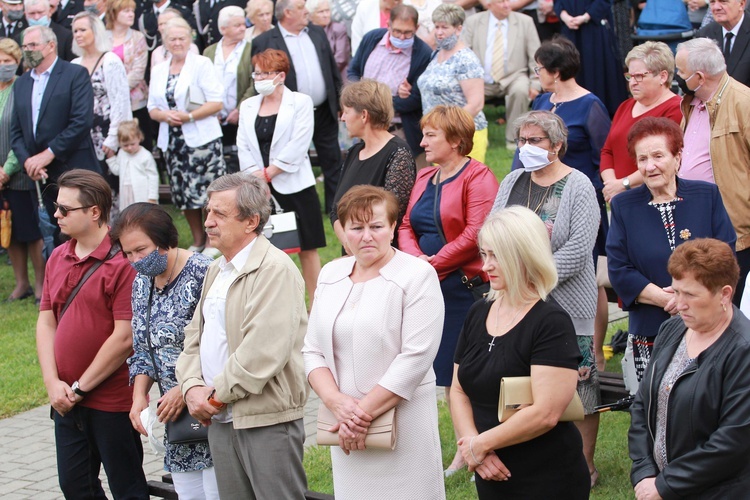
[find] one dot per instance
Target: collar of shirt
(386, 42)
(285, 33)
(735, 31)
(48, 71)
(699, 105)
(238, 262)
(160, 10)
(100, 253)
(236, 51)
(495, 22)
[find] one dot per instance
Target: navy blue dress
(458, 298)
(601, 68)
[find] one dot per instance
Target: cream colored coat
(266, 319)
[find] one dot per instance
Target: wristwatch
(77, 389)
(626, 183)
(215, 403)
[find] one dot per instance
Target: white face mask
(533, 157)
(266, 87)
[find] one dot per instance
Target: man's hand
(198, 405)
(36, 166)
(404, 90)
(234, 117)
(61, 397)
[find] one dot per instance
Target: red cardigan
(464, 204)
(615, 150)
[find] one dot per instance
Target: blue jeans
(86, 439)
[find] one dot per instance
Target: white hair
(312, 5)
(704, 54)
(31, 3)
(228, 13)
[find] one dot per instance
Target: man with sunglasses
(717, 135)
(53, 114)
(83, 342)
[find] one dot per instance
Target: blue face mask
(152, 264)
(42, 21)
(402, 44)
(447, 43)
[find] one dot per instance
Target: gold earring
(723, 306)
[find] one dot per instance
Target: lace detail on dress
(680, 362)
(399, 178)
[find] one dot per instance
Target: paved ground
(28, 467)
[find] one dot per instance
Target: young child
(139, 179)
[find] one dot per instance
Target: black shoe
(28, 293)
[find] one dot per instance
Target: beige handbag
(516, 391)
(381, 435)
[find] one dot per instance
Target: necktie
(498, 56)
(728, 44)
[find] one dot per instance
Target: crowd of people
(449, 276)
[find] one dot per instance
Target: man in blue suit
(53, 114)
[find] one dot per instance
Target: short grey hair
(253, 6)
(449, 13)
(704, 54)
(281, 6)
(228, 13)
(45, 33)
(31, 3)
(253, 196)
(657, 56)
(550, 123)
(101, 40)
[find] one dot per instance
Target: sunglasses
(64, 210)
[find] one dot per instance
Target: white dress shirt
(37, 93)
(491, 30)
(306, 64)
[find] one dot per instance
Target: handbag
(381, 435)
(281, 229)
(5, 225)
(478, 288)
(186, 429)
(195, 98)
(516, 391)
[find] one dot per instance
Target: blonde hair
(656, 56)
(178, 22)
(10, 47)
(129, 130)
(519, 241)
(373, 97)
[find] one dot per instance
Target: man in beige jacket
(241, 371)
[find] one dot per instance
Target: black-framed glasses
(638, 77)
(64, 210)
(406, 34)
(531, 140)
(262, 75)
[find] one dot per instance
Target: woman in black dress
(380, 159)
(517, 332)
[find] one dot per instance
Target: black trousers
(326, 141)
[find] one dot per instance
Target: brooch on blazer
(685, 234)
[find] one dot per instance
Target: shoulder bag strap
(148, 337)
(112, 252)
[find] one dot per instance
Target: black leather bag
(185, 429)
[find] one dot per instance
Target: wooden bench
(612, 387)
(165, 489)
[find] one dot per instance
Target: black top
(551, 465)
(264, 127)
(392, 168)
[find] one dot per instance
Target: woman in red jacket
(447, 207)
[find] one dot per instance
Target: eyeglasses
(33, 45)
(537, 69)
(64, 210)
(531, 140)
(406, 34)
(263, 74)
(638, 77)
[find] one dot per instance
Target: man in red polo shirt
(82, 349)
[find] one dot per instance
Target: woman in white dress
(374, 331)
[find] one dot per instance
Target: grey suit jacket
(523, 42)
(738, 64)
